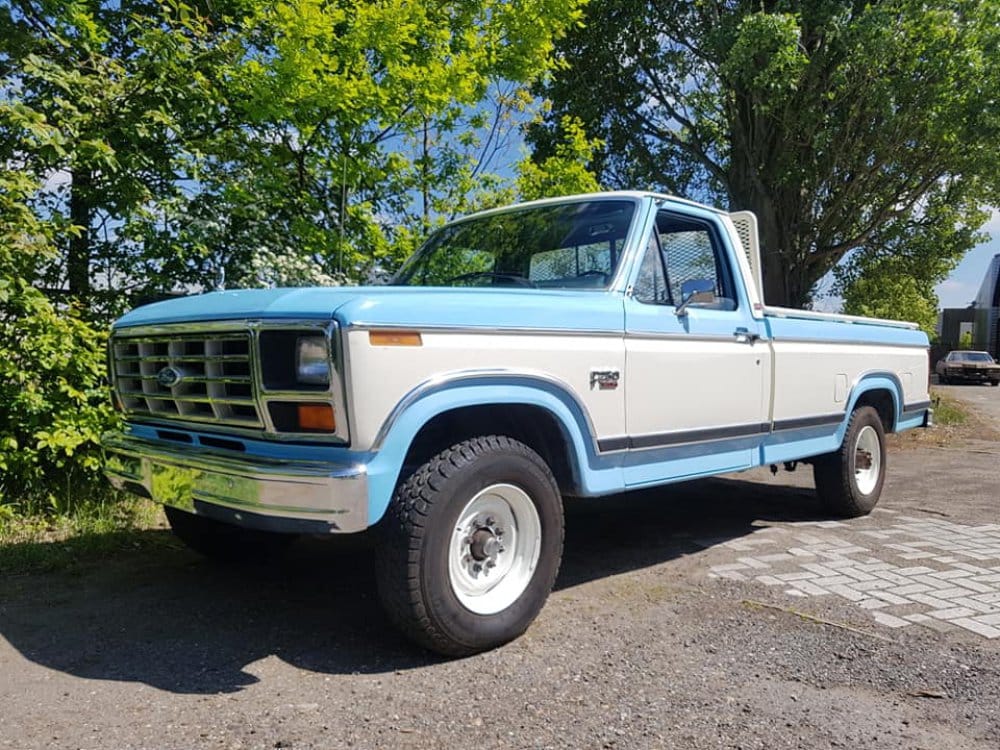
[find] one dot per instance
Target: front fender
(592, 474)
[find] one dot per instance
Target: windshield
(563, 246)
(970, 357)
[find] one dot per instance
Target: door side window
(692, 252)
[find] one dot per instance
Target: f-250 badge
(604, 380)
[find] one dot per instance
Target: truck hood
(396, 306)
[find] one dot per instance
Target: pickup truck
(573, 347)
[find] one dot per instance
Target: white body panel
(381, 376)
(673, 384)
(807, 374)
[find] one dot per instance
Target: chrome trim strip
(844, 342)
(509, 330)
(336, 493)
(710, 337)
(538, 331)
(440, 381)
(916, 406)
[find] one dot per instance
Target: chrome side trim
(182, 477)
(845, 342)
(440, 381)
(509, 330)
(538, 331)
(790, 313)
(709, 337)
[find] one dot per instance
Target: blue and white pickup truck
(575, 347)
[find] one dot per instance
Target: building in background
(981, 319)
(986, 324)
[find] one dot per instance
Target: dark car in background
(969, 367)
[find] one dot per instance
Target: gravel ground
(644, 643)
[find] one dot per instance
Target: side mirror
(696, 292)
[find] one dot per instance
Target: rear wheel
(849, 480)
(222, 541)
(470, 546)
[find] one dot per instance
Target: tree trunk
(784, 282)
(81, 215)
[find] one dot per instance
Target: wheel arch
(883, 392)
(539, 412)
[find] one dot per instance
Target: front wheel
(849, 480)
(470, 546)
(995, 383)
(942, 379)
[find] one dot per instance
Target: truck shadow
(166, 618)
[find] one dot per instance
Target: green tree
(53, 405)
(565, 171)
(124, 84)
(842, 125)
(359, 125)
(884, 294)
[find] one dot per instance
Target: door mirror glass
(704, 289)
(696, 292)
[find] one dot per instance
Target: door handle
(744, 336)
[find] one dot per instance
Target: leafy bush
(53, 404)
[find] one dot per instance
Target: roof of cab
(604, 195)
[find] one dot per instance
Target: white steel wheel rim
(494, 549)
(867, 443)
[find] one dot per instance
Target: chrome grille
(201, 377)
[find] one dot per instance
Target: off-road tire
(415, 537)
(834, 473)
(224, 542)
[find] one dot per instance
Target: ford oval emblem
(168, 377)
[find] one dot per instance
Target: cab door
(695, 356)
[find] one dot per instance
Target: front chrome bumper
(251, 491)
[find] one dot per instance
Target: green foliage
(563, 173)
(844, 126)
(53, 406)
(893, 296)
(164, 145)
(360, 125)
(965, 340)
(949, 412)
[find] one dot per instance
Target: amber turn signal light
(395, 338)
(317, 417)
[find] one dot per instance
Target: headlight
(312, 360)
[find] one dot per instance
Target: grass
(949, 411)
(33, 540)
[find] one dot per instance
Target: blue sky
(959, 289)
